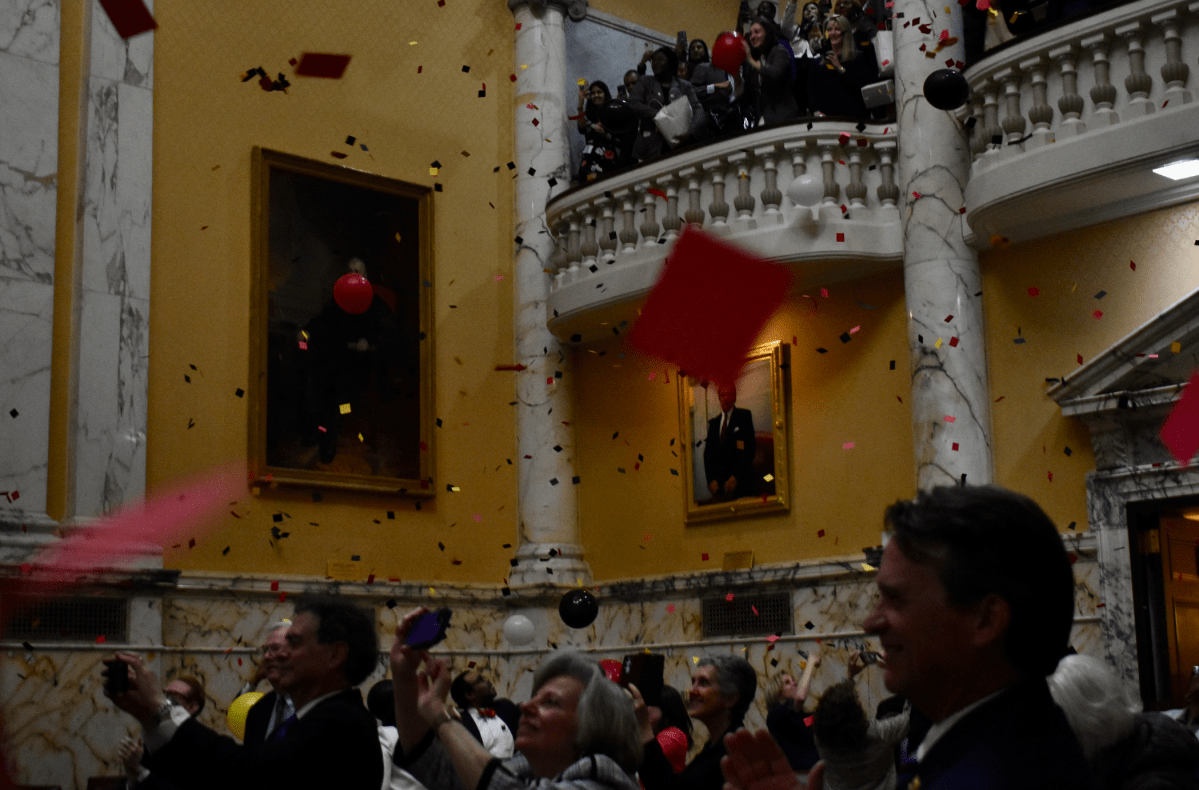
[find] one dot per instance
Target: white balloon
(806, 190)
(518, 630)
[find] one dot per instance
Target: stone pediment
(1125, 393)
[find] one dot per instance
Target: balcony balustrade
(1067, 125)
(613, 236)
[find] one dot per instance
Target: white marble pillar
(550, 550)
(951, 416)
(29, 77)
(110, 434)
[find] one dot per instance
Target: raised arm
(805, 680)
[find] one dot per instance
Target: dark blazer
(837, 94)
(258, 717)
(768, 90)
(506, 709)
(1018, 741)
(336, 744)
(734, 456)
(647, 98)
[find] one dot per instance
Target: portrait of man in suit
(729, 449)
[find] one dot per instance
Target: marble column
(550, 549)
(29, 79)
(951, 416)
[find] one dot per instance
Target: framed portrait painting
(341, 350)
(737, 460)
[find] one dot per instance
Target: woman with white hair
(1125, 748)
(577, 731)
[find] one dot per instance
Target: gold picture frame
(748, 452)
(340, 398)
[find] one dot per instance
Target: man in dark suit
(492, 721)
(976, 602)
(729, 449)
(330, 741)
(269, 713)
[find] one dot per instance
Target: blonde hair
(849, 50)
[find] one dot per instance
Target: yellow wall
(849, 394)
(1059, 324)
(206, 122)
(704, 20)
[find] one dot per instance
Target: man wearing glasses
(275, 708)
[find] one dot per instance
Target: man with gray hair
(275, 707)
(722, 689)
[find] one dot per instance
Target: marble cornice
(575, 9)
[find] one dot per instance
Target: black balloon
(578, 608)
(946, 89)
(617, 116)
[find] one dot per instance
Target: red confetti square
(843, 138)
(820, 534)
(711, 301)
(953, 342)
(1180, 433)
(1097, 314)
(728, 597)
(282, 597)
(129, 17)
(670, 608)
(1132, 265)
(1079, 356)
(512, 77)
(840, 237)
(1034, 291)
(704, 557)
(949, 318)
(274, 586)
(322, 64)
(100, 639)
(955, 447)
(370, 579)
(808, 721)
(1051, 477)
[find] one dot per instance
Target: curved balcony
(613, 236)
(1068, 124)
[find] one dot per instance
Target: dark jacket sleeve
(702, 773)
(639, 98)
(776, 66)
(257, 719)
(336, 744)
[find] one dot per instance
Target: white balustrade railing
(612, 236)
(1101, 71)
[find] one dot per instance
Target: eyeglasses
(270, 650)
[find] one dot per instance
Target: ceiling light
(1187, 168)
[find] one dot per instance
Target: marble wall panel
(30, 28)
(26, 314)
(119, 60)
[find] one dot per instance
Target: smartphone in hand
(429, 629)
(117, 680)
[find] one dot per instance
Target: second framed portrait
(738, 459)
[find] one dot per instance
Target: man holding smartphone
(330, 741)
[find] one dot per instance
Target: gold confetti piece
(344, 408)
(360, 438)
(695, 659)
(803, 664)
(524, 66)
(582, 82)
(1176, 347)
(412, 43)
(938, 343)
(947, 10)
(398, 237)
(433, 170)
(432, 591)
(303, 334)
(867, 566)
(455, 489)
(768, 477)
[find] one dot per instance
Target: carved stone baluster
(1041, 113)
(1103, 94)
(856, 191)
(978, 122)
(772, 198)
(560, 259)
(1071, 104)
(1138, 83)
(574, 243)
(991, 132)
(671, 222)
(718, 209)
(649, 223)
(607, 229)
(1013, 122)
(590, 248)
(888, 190)
(828, 163)
(695, 213)
(1175, 71)
(628, 228)
(745, 202)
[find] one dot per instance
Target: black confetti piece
(239, 392)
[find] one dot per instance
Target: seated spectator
(599, 146)
(672, 727)
(578, 730)
(493, 720)
(722, 690)
(653, 92)
(714, 90)
(857, 752)
(835, 85)
(1124, 747)
(766, 76)
(787, 720)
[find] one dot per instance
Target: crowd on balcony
(812, 60)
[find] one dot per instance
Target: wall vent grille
(753, 614)
(73, 619)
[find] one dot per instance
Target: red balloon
(353, 293)
(612, 668)
(728, 53)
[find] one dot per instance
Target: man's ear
(339, 655)
(992, 616)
